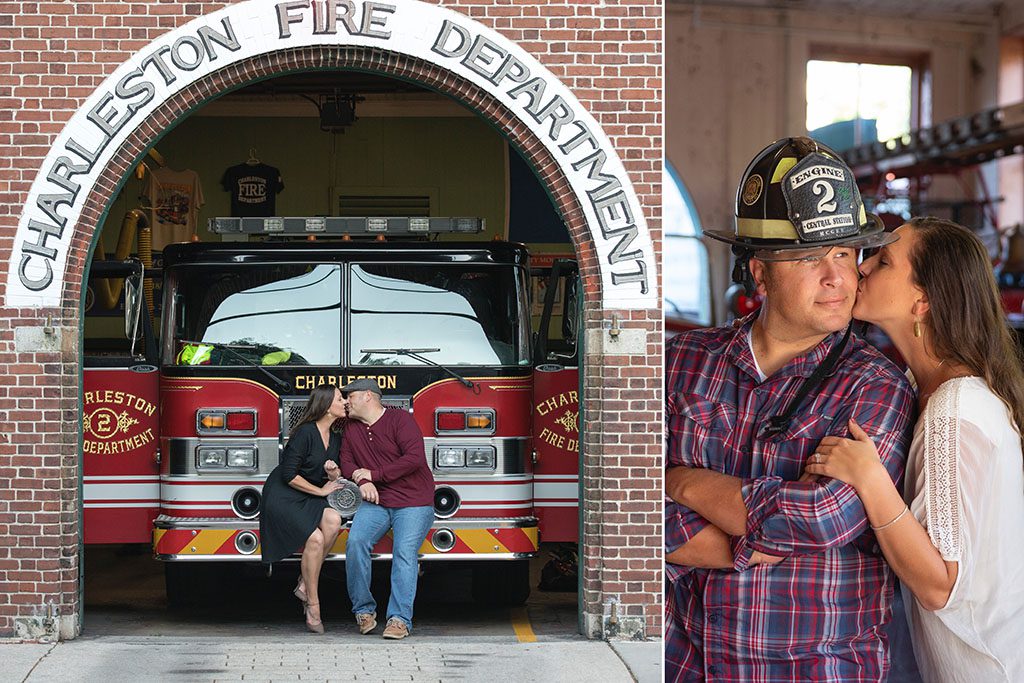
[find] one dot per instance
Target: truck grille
(292, 406)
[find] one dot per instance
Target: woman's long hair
(320, 400)
(965, 313)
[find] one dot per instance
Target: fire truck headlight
(450, 457)
(210, 457)
(480, 457)
(241, 457)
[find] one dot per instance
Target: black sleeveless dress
(288, 516)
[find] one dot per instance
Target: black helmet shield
(799, 194)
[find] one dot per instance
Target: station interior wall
(459, 161)
(736, 80)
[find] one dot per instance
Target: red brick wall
(54, 55)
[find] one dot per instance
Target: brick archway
(621, 381)
(395, 65)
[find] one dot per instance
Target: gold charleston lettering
(386, 382)
(120, 398)
(555, 402)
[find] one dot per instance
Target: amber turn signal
(213, 421)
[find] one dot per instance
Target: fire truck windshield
(291, 314)
(266, 314)
(471, 314)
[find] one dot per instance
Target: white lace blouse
(965, 485)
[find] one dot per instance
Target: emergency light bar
(344, 225)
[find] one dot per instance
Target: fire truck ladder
(944, 148)
(953, 148)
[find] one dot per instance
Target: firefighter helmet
(799, 194)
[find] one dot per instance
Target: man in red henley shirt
(383, 453)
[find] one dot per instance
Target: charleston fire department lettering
(109, 116)
(567, 398)
(111, 430)
(249, 29)
(252, 190)
(572, 137)
(567, 420)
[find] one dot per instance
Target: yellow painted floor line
(521, 625)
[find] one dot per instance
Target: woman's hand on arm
(853, 461)
(300, 483)
(904, 542)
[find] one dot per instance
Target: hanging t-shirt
(253, 189)
(175, 197)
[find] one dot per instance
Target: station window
(687, 288)
(857, 99)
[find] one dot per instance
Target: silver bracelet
(906, 509)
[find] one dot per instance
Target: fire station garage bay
(328, 204)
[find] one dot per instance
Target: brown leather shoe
(396, 629)
(366, 622)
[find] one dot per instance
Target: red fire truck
(177, 445)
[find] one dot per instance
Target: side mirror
(132, 310)
(569, 311)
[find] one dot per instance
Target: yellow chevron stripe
(479, 541)
(207, 541)
(157, 535)
(482, 541)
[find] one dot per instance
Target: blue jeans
(410, 525)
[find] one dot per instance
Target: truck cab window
(473, 315)
(242, 314)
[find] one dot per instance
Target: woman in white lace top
(956, 535)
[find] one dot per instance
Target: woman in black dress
(294, 510)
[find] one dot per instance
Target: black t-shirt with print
(253, 189)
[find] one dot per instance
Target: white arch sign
(36, 273)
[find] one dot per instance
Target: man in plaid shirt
(771, 575)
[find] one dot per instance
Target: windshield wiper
(230, 348)
(415, 353)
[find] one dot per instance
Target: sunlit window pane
(687, 292)
(844, 91)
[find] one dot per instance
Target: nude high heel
(314, 626)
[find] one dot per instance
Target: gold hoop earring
(917, 328)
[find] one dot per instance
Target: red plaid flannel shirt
(817, 615)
